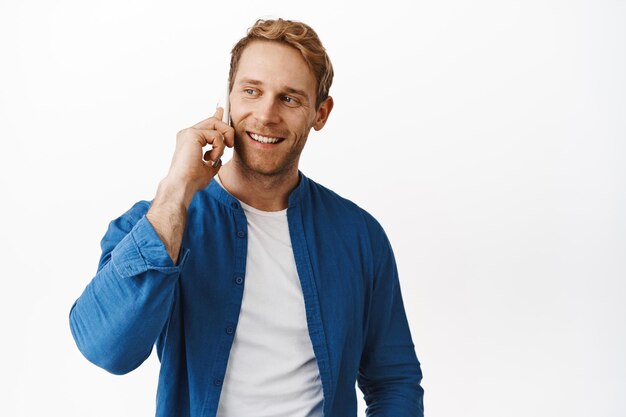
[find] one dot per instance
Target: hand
(190, 170)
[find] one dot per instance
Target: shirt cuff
(141, 250)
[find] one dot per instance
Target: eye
(290, 101)
(249, 91)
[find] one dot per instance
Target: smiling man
(266, 294)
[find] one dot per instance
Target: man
(266, 293)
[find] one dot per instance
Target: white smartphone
(226, 104)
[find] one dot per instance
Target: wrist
(168, 215)
(174, 193)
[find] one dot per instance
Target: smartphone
(225, 102)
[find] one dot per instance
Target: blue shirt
(354, 309)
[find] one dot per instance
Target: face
(273, 108)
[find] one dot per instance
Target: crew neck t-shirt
(272, 370)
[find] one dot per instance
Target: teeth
(263, 139)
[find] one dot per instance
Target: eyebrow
(289, 90)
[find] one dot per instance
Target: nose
(267, 111)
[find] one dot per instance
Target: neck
(263, 192)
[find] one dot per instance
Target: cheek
(303, 125)
(237, 121)
(237, 110)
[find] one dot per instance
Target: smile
(264, 139)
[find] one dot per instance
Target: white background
(488, 137)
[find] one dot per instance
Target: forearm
(189, 172)
(119, 316)
(392, 387)
(122, 311)
(168, 214)
(116, 321)
(390, 374)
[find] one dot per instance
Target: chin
(255, 164)
(266, 168)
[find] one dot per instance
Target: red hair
(297, 35)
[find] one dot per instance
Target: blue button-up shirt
(354, 310)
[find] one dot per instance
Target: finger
(207, 123)
(216, 140)
(209, 162)
(212, 123)
(207, 136)
(207, 158)
(215, 154)
(229, 136)
(219, 113)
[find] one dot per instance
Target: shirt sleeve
(120, 314)
(389, 373)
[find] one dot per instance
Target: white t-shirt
(271, 369)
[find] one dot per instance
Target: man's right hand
(190, 171)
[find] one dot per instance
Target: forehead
(276, 65)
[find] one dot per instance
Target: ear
(323, 112)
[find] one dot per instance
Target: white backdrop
(488, 137)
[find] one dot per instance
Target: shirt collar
(221, 195)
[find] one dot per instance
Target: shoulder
(340, 210)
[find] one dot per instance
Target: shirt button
(217, 382)
(230, 330)
(241, 233)
(239, 280)
(234, 205)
